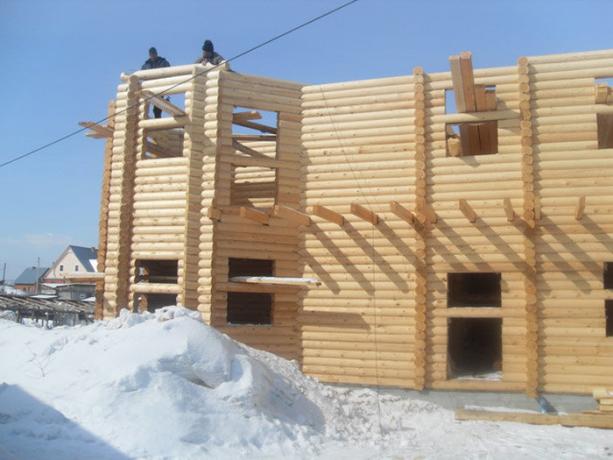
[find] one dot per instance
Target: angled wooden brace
(254, 215)
(580, 211)
(364, 214)
(291, 215)
(326, 214)
(402, 212)
(467, 210)
(163, 104)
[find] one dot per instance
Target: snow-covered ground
(166, 386)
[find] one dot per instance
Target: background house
(74, 261)
(31, 279)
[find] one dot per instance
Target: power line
(161, 93)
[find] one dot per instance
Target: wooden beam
(326, 214)
(508, 210)
(467, 210)
(248, 150)
(430, 214)
(290, 215)
(239, 160)
(580, 211)
(163, 123)
(97, 131)
(163, 104)
(244, 116)
(364, 214)
(213, 213)
(276, 280)
(254, 138)
(254, 215)
(572, 419)
(256, 126)
(160, 151)
(402, 212)
(156, 288)
(601, 93)
(463, 82)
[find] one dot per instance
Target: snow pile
(164, 385)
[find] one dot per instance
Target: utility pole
(37, 274)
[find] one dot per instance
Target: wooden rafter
(248, 150)
(158, 150)
(163, 104)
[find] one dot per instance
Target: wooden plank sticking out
(508, 210)
(276, 280)
(214, 213)
(467, 210)
(163, 104)
(256, 126)
(364, 214)
(402, 212)
(602, 93)
(326, 214)
(291, 215)
(245, 116)
(254, 215)
(572, 419)
(580, 211)
(97, 131)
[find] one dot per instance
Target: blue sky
(62, 59)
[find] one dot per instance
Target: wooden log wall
(359, 143)
(121, 196)
(574, 354)
(391, 215)
(239, 237)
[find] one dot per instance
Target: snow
(5, 289)
(163, 385)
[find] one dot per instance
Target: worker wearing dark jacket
(209, 56)
(155, 62)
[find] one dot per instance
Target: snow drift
(165, 385)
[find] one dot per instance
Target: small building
(31, 279)
(74, 261)
(75, 291)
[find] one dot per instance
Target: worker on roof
(209, 56)
(155, 62)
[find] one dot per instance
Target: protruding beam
(508, 210)
(402, 212)
(213, 213)
(97, 131)
(256, 126)
(291, 215)
(327, 214)
(580, 211)
(254, 215)
(468, 211)
(364, 214)
(163, 104)
(244, 116)
(463, 82)
(602, 93)
(430, 214)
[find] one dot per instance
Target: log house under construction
(449, 230)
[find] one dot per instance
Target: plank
(245, 116)
(291, 215)
(571, 419)
(580, 209)
(255, 126)
(467, 210)
(97, 131)
(402, 212)
(163, 104)
(326, 214)
(364, 214)
(254, 215)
